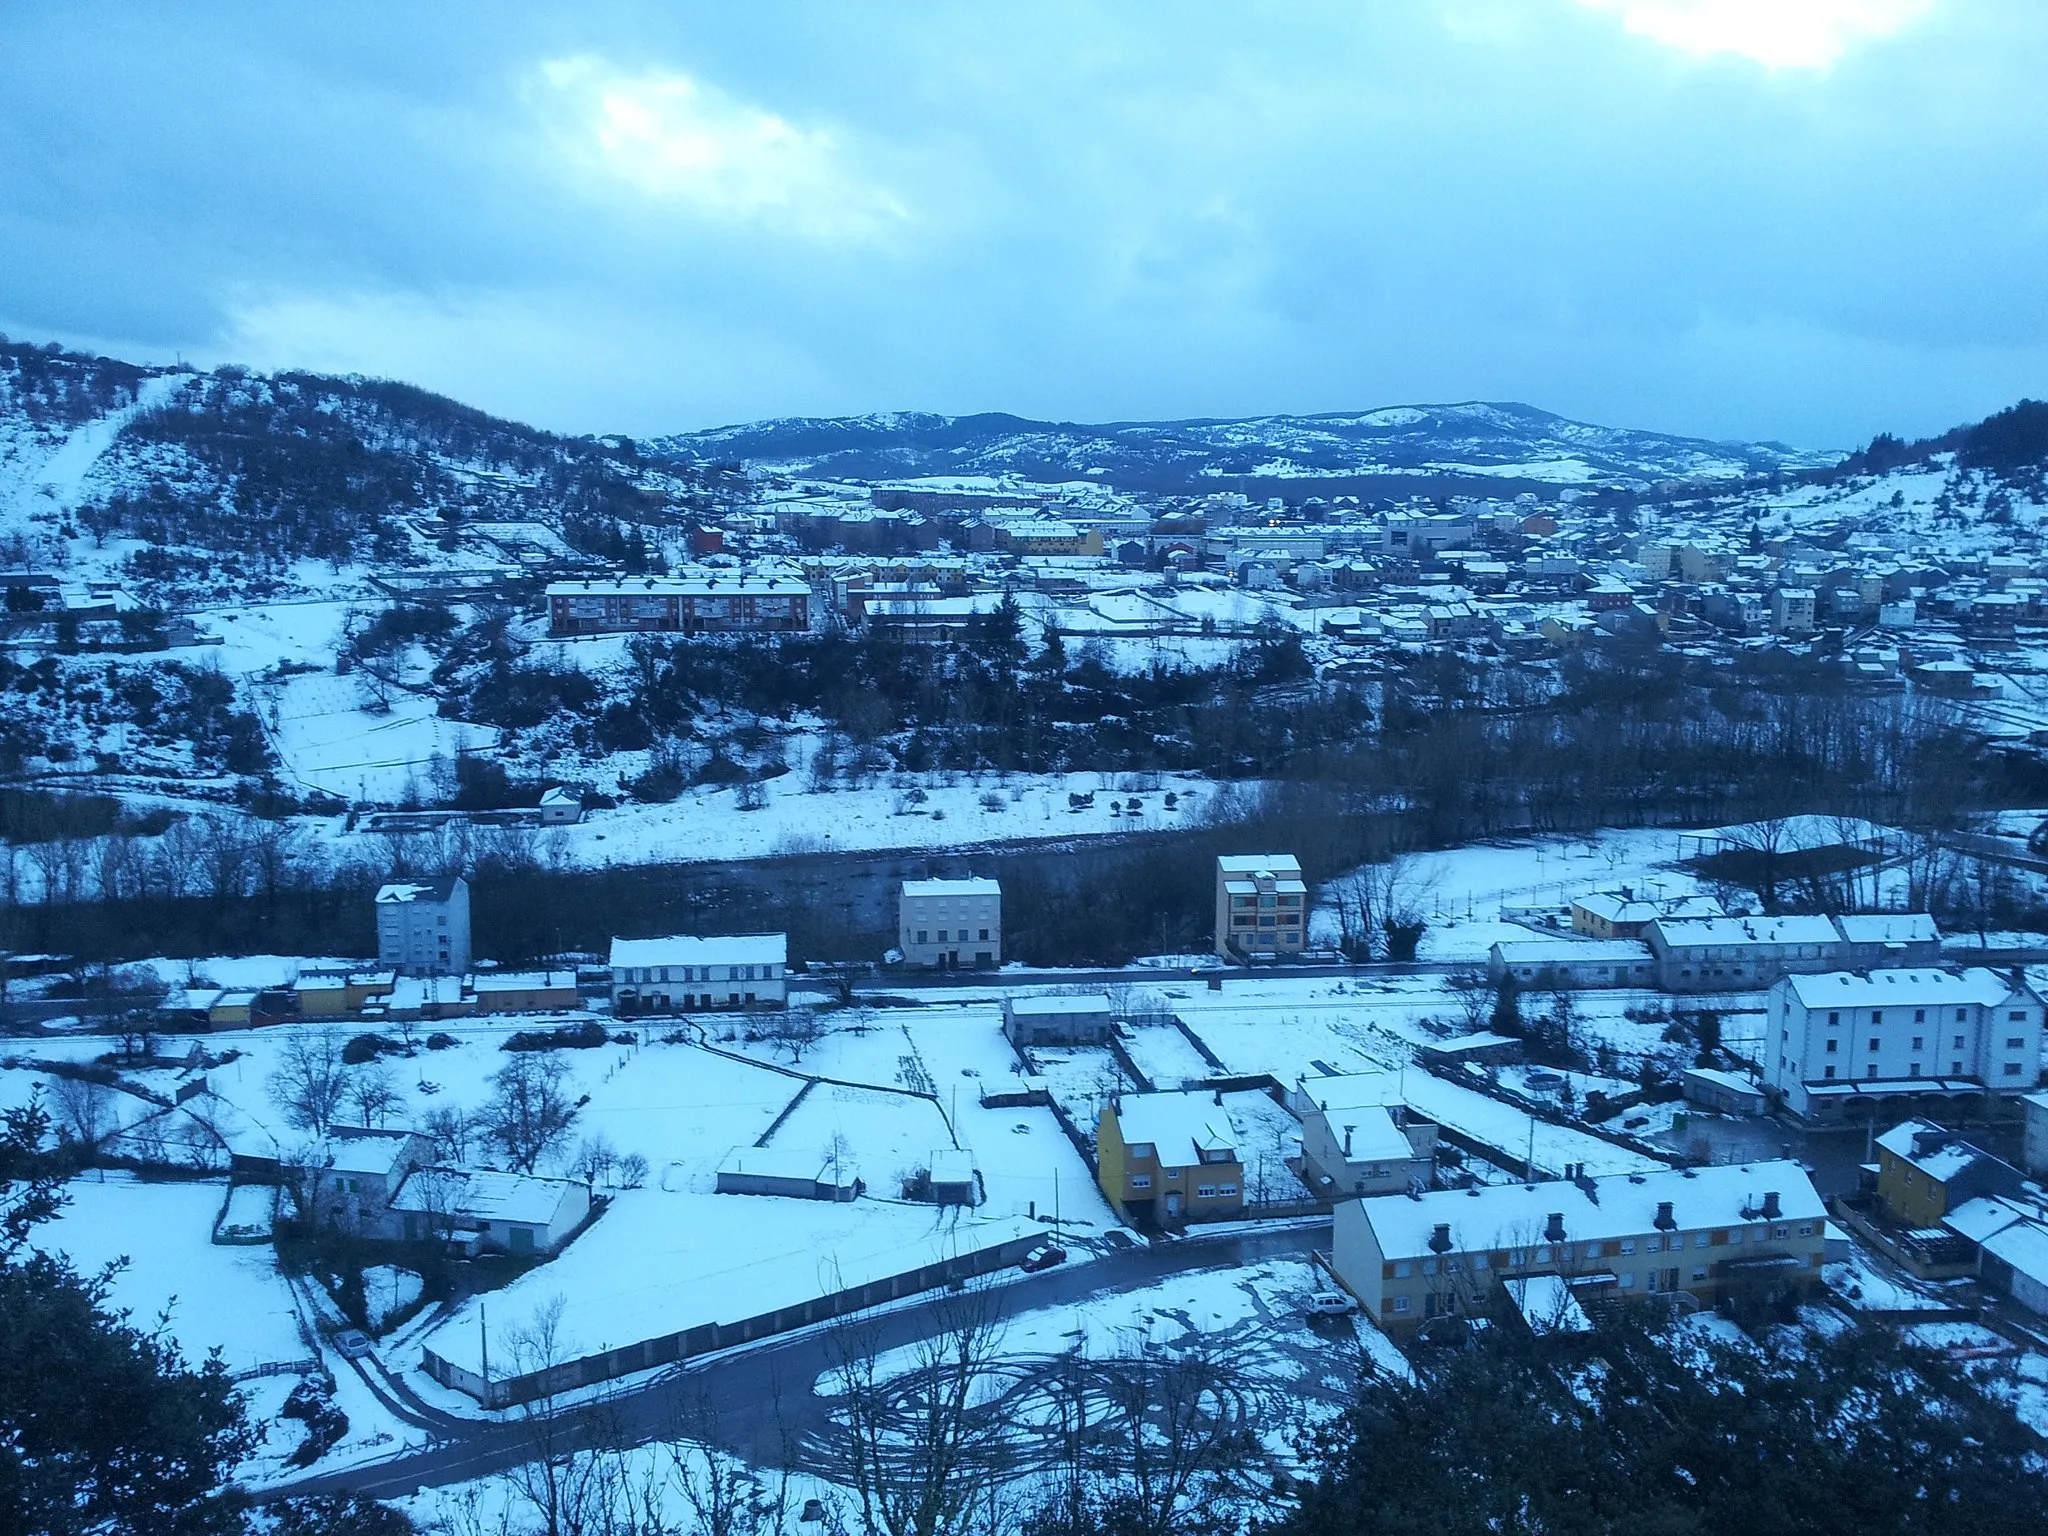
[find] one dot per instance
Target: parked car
(1042, 1258)
(352, 1343)
(1331, 1304)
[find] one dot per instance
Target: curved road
(756, 1400)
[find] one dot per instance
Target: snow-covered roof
(482, 1194)
(1621, 1205)
(364, 1151)
(952, 1165)
(418, 890)
(1282, 865)
(2024, 1246)
(940, 889)
(1978, 1219)
(1060, 1007)
(1177, 1124)
(723, 585)
(522, 981)
(1573, 951)
(560, 795)
(1374, 1138)
(685, 949)
(1690, 931)
(1548, 1305)
(1889, 928)
(1353, 1090)
(1720, 1079)
(1923, 987)
(797, 1164)
(1613, 907)
(1932, 1150)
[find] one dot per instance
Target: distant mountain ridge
(1480, 440)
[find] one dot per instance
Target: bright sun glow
(1781, 34)
(674, 138)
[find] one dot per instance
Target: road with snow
(756, 1401)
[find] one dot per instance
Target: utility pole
(483, 1322)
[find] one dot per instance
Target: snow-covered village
(603, 935)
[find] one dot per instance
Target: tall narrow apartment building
(1261, 906)
(423, 927)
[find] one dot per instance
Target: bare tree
(449, 1129)
(1174, 1432)
(372, 1092)
(529, 1111)
(310, 1081)
(1474, 995)
(596, 1160)
(915, 1448)
(89, 1107)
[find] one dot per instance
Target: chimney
(1440, 1239)
(1665, 1221)
(1219, 1098)
(1772, 1209)
(1553, 1230)
(1347, 1140)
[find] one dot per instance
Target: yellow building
(1168, 1158)
(1924, 1172)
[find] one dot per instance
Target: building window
(1403, 1269)
(1699, 1273)
(1913, 1070)
(1226, 1190)
(1834, 1018)
(1628, 1245)
(1141, 1181)
(2012, 1069)
(1877, 1016)
(1919, 1015)
(1833, 1046)
(2015, 1043)
(2018, 1016)
(984, 933)
(921, 936)
(1873, 1045)
(1400, 1303)
(1626, 1280)
(1961, 1015)
(1829, 1073)
(1959, 1042)
(1205, 1191)
(1919, 1042)
(1871, 1070)
(1699, 1239)
(1956, 1067)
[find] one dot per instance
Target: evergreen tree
(103, 1425)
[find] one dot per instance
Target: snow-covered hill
(1474, 439)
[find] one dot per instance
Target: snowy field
(232, 1299)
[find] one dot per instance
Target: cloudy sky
(1800, 219)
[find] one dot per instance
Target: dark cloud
(651, 218)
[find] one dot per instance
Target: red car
(1042, 1258)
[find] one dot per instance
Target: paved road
(757, 1400)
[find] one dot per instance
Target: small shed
(953, 1176)
(1726, 1093)
(1485, 1048)
(788, 1172)
(561, 806)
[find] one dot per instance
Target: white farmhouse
(1904, 1038)
(423, 927)
(684, 974)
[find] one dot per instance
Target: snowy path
(55, 481)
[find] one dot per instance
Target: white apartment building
(423, 927)
(1711, 1233)
(950, 924)
(1261, 905)
(1836, 1041)
(685, 974)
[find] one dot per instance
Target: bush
(580, 1037)
(438, 1041)
(362, 1049)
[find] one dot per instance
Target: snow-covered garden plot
(326, 739)
(682, 1108)
(888, 1137)
(1502, 1126)
(230, 1297)
(1166, 1056)
(657, 1263)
